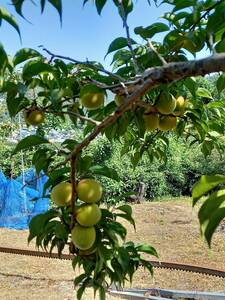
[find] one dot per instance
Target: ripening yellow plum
(83, 237)
(165, 103)
(34, 117)
(61, 194)
(88, 215)
(151, 121)
(89, 190)
(167, 123)
(180, 106)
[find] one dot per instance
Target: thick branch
(152, 78)
(175, 71)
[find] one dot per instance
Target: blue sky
(84, 34)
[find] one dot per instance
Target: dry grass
(172, 227)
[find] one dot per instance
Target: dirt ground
(171, 227)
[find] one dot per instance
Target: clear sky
(84, 34)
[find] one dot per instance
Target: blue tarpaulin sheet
(21, 199)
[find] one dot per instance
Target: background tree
(151, 82)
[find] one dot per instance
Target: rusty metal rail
(156, 264)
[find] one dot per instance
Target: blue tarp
(3, 182)
(19, 202)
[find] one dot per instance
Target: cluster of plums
(163, 115)
(87, 215)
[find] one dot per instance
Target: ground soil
(170, 226)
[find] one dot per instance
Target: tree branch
(153, 77)
(86, 63)
(92, 121)
(151, 46)
(175, 71)
(205, 14)
(129, 41)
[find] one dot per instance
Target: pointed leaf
(206, 184)
(33, 68)
(58, 5)
(150, 31)
(99, 5)
(5, 15)
(25, 54)
(213, 223)
(118, 43)
(147, 249)
(105, 171)
(29, 142)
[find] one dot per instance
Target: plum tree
(61, 194)
(147, 77)
(83, 237)
(88, 215)
(89, 190)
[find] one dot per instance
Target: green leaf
(79, 279)
(123, 258)
(150, 31)
(220, 83)
(125, 208)
(117, 44)
(61, 231)
(201, 92)
(29, 142)
(206, 184)
(99, 5)
(80, 292)
(18, 6)
(183, 4)
(35, 67)
(104, 171)
(3, 63)
(212, 223)
(58, 5)
(25, 54)
(210, 205)
(5, 15)
(37, 223)
(147, 249)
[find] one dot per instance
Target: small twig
(129, 41)
(203, 16)
(152, 47)
(86, 63)
(92, 121)
(33, 180)
(211, 43)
